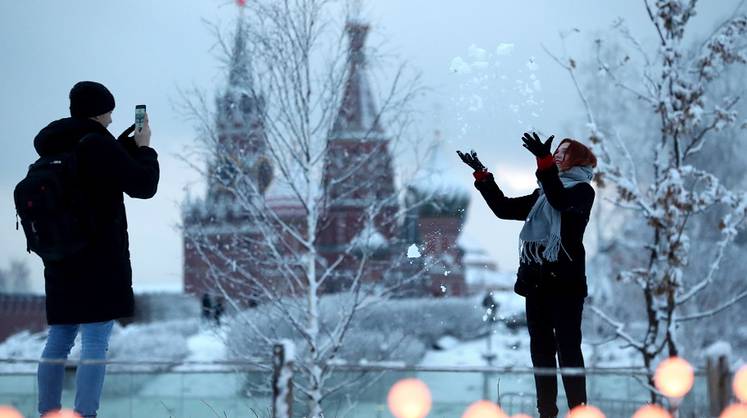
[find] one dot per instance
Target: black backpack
(48, 202)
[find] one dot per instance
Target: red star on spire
(241, 3)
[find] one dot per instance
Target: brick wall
(19, 312)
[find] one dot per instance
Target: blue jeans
(89, 378)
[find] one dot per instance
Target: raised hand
(142, 136)
(471, 160)
(536, 146)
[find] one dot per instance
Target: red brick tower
(358, 146)
(239, 163)
(241, 149)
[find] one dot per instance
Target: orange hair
(578, 154)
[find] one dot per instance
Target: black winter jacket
(566, 276)
(96, 284)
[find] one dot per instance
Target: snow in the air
(504, 49)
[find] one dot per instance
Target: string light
(585, 411)
(674, 377)
(9, 412)
(651, 411)
(409, 398)
(63, 413)
(484, 409)
(737, 410)
(740, 384)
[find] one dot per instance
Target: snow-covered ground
(181, 391)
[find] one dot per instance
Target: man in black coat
(552, 271)
(88, 290)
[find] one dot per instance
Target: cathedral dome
(442, 183)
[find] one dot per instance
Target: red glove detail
(545, 162)
(481, 175)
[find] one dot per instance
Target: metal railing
(155, 388)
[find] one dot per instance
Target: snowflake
(413, 251)
(504, 49)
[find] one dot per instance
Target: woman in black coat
(551, 273)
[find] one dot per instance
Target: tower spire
(242, 143)
(357, 117)
(239, 68)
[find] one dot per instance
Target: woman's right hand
(471, 160)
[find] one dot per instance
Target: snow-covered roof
(443, 174)
(478, 257)
(369, 237)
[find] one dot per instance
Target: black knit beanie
(89, 99)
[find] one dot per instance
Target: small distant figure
(491, 306)
(218, 311)
(207, 307)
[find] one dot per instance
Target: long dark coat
(96, 284)
(566, 276)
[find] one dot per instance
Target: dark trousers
(554, 323)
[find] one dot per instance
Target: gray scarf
(542, 227)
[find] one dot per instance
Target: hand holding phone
(142, 134)
(139, 117)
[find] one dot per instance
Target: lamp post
(491, 316)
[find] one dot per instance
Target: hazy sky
(144, 51)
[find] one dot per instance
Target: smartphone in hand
(139, 117)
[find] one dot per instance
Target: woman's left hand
(536, 146)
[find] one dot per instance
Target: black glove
(535, 145)
(471, 160)
(126, 140)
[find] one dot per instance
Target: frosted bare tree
(664, 189)
(302, 198)
(16, 278)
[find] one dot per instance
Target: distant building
(433, 227)
(482, 274)
(21, 312)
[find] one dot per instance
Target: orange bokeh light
(674, 377)
(62, 413)
(484, 409)
(409, 398)
(585, 411)
(651, 411)
(738, 410)
(740, 384)
(521, 416)
(9, 412)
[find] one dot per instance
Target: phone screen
(139, 116)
